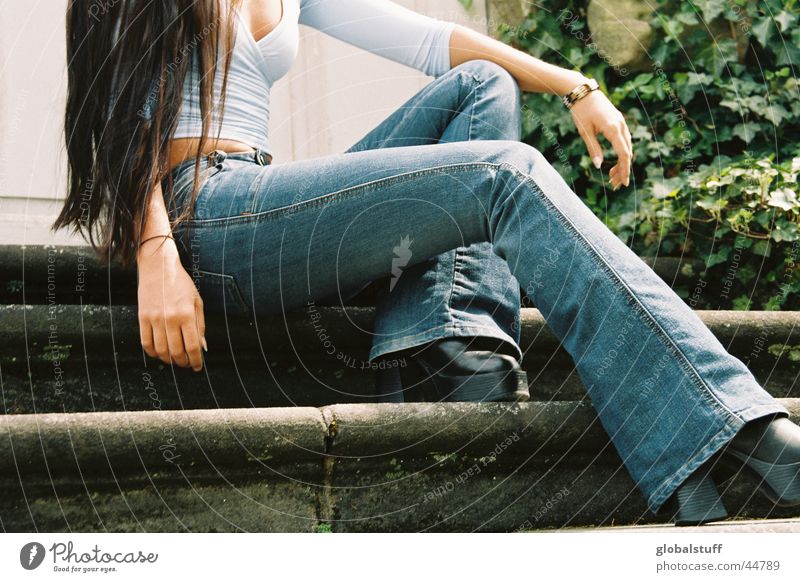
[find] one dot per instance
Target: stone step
(69, 358)
(72, 274)
(350, 467)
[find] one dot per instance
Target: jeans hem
(387, 346)
(668, 487)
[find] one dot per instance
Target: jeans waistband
(259, 156)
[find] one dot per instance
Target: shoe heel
(698, 501)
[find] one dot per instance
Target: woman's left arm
(593, 115)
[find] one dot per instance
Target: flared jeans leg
(467, 291)
(267, 240)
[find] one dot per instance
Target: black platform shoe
(767, 449)
(451, 370)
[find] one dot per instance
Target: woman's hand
(595, 115)
(171, 321)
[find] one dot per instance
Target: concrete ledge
(156, 440)
(73, 359)
(95, 325)
(81, 276)
(425, 467)
(407, 430)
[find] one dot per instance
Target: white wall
(333, 95)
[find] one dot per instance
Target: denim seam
(254, 189)
(482, 331)
(474, 83)
(472, 113)
(227, 282)
(651, 322)
(340, 195)
(453, 277)
(478, 84)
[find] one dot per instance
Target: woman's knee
(513, 154)
(487, 72)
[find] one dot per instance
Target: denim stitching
(433, 333)
(253, 192)
(633, 300)
(341, 194)
(228, 282)
(454, 272)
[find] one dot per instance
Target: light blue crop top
(378, 26)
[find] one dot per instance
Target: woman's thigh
(273, 238)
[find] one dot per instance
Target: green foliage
(714, 117)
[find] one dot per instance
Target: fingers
(177, 349)
(175, 340)
(593, 145)
(191, 343)
(193, 332)
(624, 152)
(146, 337)
(628, 138)
(200, 317)
(161, 345)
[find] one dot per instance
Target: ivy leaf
(785, 20)
(719, 257)
(711, 8)
(746, 131)
(666, 188)
(762, 30)
(784, 198)
(717, 55)
(762, 248)
(777, 114)
(688, 84)
(687, 18)
(786, 233)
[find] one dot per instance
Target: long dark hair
(127, 61)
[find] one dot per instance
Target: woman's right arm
(171, 320)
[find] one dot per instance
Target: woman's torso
(264, 35)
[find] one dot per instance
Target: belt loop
(261, 157)
(216, 157)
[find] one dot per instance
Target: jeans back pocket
(221, 293)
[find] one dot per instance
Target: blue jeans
(428, 193)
